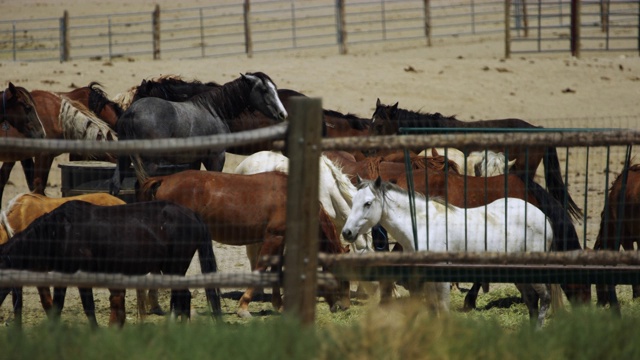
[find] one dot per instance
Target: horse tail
(98, 99)
(565, 236)
(557, 302)
(146, 191)
(208, 265)
(556, 185)
(329, 237)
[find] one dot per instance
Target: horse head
(384, 119)
(263, 95)
(19, 111)
(366, 210)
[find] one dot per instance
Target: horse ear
(378, 103)
(358, 180)
(378, 181)
(511, 163)
(12, 88)
(434, 152)
(394, 107)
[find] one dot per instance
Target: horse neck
(48, 109)
(407, 118)
(396, 218)
(228, 101)
(342, 182)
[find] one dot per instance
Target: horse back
(232, 205)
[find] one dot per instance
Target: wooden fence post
(507, 28)
(427, 21)
(64, 37)
(341, 28)
(301, 243)
(248, 43)
(155, 20)
(575, 28)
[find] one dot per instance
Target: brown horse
(23, 209)
(388, 119)
(471, 191)
(390, 167)
(619, 225)
(19, 119)
(62, 119)
(240, 210)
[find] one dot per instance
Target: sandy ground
(466, 77)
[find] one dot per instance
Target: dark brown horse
(388, 119)
(241, 210)
(619, 225)
(130, 239)
(470, 192)
(19, 119)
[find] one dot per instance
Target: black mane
(354, 121)
(98, 99)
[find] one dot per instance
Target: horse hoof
(245, 314)
(156, 311)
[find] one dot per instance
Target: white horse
(479, 163)
(445, 230)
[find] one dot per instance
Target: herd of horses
(364, 197)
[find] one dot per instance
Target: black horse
(131, 239)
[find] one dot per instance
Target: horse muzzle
(349, 235)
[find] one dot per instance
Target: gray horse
(207, 113)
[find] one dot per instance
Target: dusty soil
(466, 77)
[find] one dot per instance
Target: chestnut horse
(242, 210)
(619, 225)
(62, 119)
(129, 239)
(471, 191)
(23, 209)
(388, 119)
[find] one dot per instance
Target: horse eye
(367, 204)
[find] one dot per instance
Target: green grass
(498, 330)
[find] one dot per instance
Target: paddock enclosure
(585, 105)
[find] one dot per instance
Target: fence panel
(30, 40)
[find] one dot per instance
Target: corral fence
(272, 25)
(301, 276)
(579, 26)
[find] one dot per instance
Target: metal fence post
(507, 28)
(382, 20)
(293, 24)
(109, 36)
(64, 37)
(201, 34)
(427, 21)
(155, 23)
(301, 241)
(341, 27)
(575, 28)
(248, 43)
(14, 41)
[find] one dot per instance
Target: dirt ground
(466, 77)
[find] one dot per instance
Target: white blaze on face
(278, 103)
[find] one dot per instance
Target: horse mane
(231, 99)
(4, 215)
(78, 122)
(388, 186)
(345, 186)
(354, 121)
(98, 99)
(411, 118)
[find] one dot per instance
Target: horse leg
(5, 172)
(118, 175)
(116, 305)
(253, 251)
(42, 168)
(16, 294)
(181, 304)
(544, 293)
(88, 305)
(471, 297)
(530, 299)
(28, 168)
(154, 304)
(59, 294)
